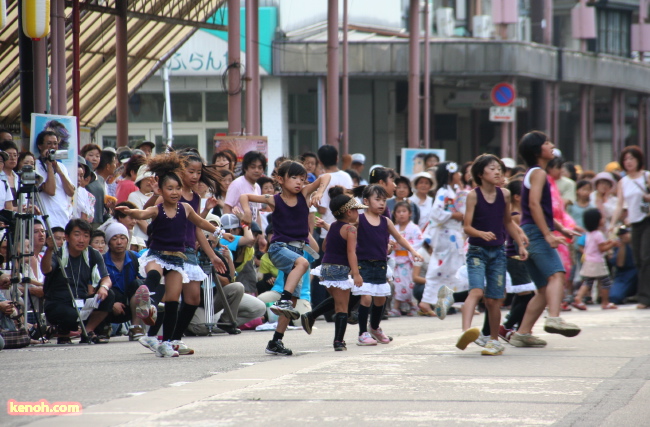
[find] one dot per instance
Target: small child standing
(372, 248)
(582, 203)
(340, 259)
(487, 218)
(290, 238)
(594, 268)
(403, 271)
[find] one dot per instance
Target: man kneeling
(87, 275)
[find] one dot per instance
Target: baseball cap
(508, 162)
(213, 218)
(358, 158)
(84, 164)
(229, 221)
(124, 156)
(149, 143)
(143, 172)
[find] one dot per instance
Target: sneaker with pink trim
(366, 339)
(379, 335)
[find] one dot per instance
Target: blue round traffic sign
(503, 94)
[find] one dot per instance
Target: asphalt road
(597, 378)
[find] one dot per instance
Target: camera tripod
(19, 232)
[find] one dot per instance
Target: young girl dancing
(372, 247)
(403, 272)
(487, 219)
(340, 259)
(166, 254)
(594, 268)
(290, 237)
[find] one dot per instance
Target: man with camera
(56, 188)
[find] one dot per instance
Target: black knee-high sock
(326, 305)
(517, 310)
(340, 323)
(363, 318)
(375, 315)
(171, 316)
(185, 316)
(486, 324)
(153, 283)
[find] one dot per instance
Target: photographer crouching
(87, 276)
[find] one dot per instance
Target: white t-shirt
(633, 192)
(338, 178)
(59, 206)
(5, 194)
(425, 209)
(81, 203)
(139, 199)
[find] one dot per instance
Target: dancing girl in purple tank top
(290, 237)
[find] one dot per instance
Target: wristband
(105, 287)
(218, 233)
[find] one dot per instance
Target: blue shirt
(231, 245)
(305, 290)
(128, 274)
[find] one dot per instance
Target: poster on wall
(414, 159)
(241, 145)
(65, 128)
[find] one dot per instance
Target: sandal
(579, 305)
(92, 337)
(610, 306)
(641, 306)
(427, 313)
(393, 312)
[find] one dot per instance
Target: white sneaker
(149, 342)
(181, 348)
(492, 348)
(482, 340)
(445, 301)
(557, 325)
(165, 349)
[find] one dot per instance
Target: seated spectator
(242, 249)
(243, 306)
(59, 236)
(122, 267)
(87, 277)
(98, 241)
(56, 188)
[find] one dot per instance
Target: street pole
(234, 74)
(414, 75)
(332, 133)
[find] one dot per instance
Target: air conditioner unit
(482, 26)
(445, 21)
(523, 29)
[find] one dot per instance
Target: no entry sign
(503, 94)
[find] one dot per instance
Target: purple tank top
(489, 217)
(168, 234)
(290, 223)
(546, 202)
(336, 251)
(372, 241)
(190, 232)
(510, 243)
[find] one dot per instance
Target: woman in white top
(144, 181)
(633, 191)
(422, 183)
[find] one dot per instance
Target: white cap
(115, 229)
(508, 162)
(358, 158)
(143, 172)
(229, 221)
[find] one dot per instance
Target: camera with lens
(645, 208)
(27, 175)
(54, 155)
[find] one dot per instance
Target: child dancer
(522, 285)
(290, 237)
(543, 263)
(446, 234)
(340, 259)
(403, 272)
(487, 218)
(372, 246)
(166, 254)
(594, 268)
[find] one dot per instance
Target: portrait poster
(241, 145)
(65, 128)
(413, 159)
